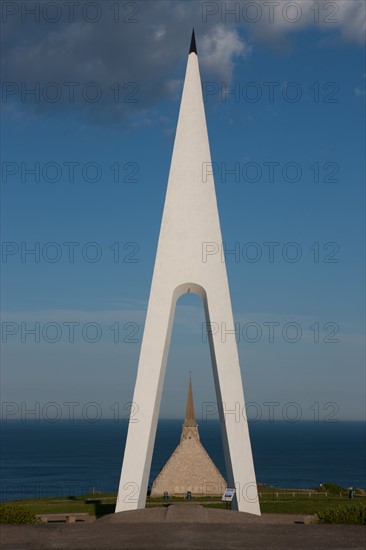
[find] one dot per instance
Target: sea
(47, 459)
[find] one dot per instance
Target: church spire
(190, 420)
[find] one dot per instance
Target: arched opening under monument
(188, 458)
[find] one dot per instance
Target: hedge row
(351, 515)
(13, 513)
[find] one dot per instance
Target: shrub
(14, 513)
(351, 515)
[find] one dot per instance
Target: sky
(90, 100)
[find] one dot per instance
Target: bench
(71, 517)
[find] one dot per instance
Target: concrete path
(179, 527)
(194, 513)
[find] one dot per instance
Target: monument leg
(146, 401)
(230, 399)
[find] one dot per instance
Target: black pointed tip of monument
(192, 47)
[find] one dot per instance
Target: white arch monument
(190, 225)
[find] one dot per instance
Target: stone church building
(189, 468)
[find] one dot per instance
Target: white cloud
(352, 20)
(151, 52)
(159, 34)
(347, 17)
(219, 49)
(360, 91)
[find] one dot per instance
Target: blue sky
(315, 199)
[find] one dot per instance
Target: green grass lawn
(104, 503)
(306, 507)
(92, 504)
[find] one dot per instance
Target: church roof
(190, 467)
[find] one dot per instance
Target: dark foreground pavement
(179, 527)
